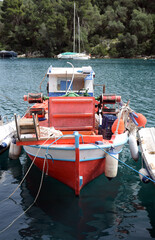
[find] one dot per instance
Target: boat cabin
(76, 80)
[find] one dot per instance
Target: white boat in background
(7, 131)
(147, 147)
(67, 55)
(81, 56)
(75, 55)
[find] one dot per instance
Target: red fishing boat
(71, 135)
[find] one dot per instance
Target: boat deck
(147, 146)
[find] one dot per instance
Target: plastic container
(105, 128)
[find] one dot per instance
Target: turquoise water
(123, 208)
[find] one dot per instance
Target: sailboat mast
(79, 33)
(74, 30)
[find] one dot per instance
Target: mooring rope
(32, 164)
(39, 189)
(25, 173)
(41, 182)
(42, 176)
(124, 163)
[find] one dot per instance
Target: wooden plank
(27, 131)
(26, 124)
(36, 125)
(17, 127)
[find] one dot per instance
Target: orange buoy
(121, 127)
(141, 120)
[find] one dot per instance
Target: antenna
(79, 33)
(74, 30)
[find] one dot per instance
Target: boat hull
(147, 147)
(72, 166)
(6, 133)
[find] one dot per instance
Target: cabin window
(63, 84)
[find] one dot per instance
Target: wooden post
(35, 125)
(17, 127)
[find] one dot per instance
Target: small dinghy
(7, 130)
(147, 146)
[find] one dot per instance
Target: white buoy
(14, 150)
(111, 166)
(133, 147)
(144, 175)
(6, 142)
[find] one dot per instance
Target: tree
(12, 15)
(141, 25)
(112, 23)
(127, 45)
(110, 26)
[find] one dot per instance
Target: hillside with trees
(114, 28)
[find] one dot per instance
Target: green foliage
(46, 26)
(141, 24)
(127, 45)
(100, 50)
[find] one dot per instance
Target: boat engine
(105, 128)
(107, 114)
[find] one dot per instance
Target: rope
(41, 182)
(53, 143)
(30, 167)
(42, 176)
(124, 163)
(57, 140)
(81, 138)
(39, 189)
(26, 173)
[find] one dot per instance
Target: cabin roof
(69, 71)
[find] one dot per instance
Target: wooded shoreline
(109, 29)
